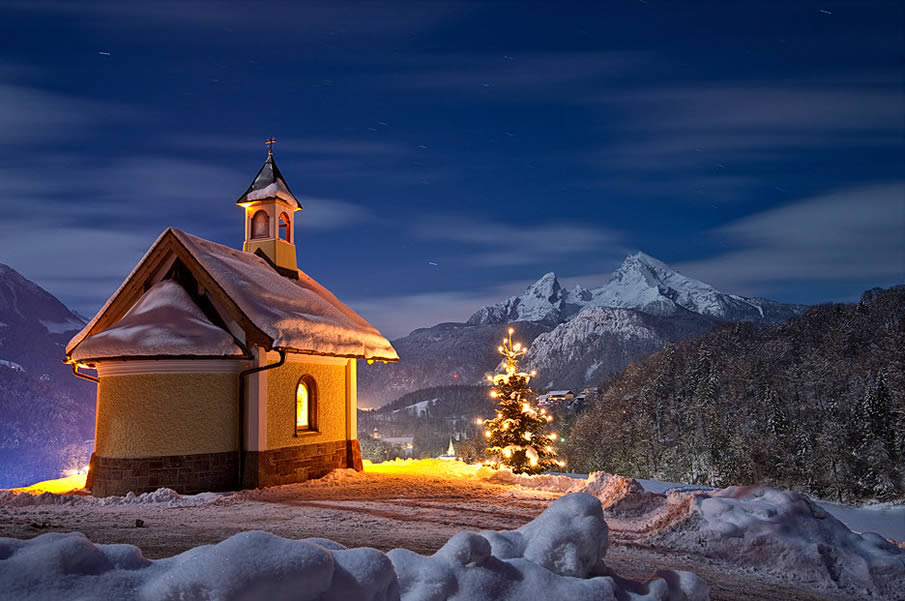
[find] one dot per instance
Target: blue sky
(758, 146)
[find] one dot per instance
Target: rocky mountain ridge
(576, 336)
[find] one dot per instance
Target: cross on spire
(270, 142)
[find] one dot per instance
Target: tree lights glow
(517, 436)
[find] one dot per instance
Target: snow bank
(161, 496)
(250, 565)
(785, 534)
(557, 556)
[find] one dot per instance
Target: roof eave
(363, 356)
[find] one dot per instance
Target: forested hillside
(816, 403)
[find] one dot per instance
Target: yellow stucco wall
(149, 415)
(331, 404)
(280, 252)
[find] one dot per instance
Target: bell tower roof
(269, 185)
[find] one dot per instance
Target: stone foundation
(186, 474)
(299, 463)
(190, 474)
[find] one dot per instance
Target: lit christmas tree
(517, 436)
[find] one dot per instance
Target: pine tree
(517, 436)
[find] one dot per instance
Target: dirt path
(374, 510)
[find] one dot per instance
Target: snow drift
(780, 532)
(557, 556)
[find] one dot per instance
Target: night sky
(448, 154)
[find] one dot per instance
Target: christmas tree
(517, 436)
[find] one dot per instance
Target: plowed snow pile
(780, 532)
(557, 556)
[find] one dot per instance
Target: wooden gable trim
(137, 285)
(133, 288)
(253, 334)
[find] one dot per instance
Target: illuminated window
(284, 227)
(305, 405)
(260, 225)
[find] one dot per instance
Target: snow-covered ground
(886, 519)
(745, 543)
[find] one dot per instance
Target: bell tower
(270, 217)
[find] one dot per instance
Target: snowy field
(744, 543)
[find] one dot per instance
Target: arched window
(284, 227)
(305, 405)
(260, 225)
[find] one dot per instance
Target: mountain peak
(542, 301)
(24, 302)
(642, 283)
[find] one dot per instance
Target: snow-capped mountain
(47, 414)
(600, 341)
(642, 283)
(34, 325)
(577, 336)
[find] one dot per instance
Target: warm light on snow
(58, 486)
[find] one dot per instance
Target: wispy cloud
(29, 115)
(719, 124)
(313, 146)
(852, 234)
(330, 213)
(519, 72)
(494, 244)
(97, 221)
(318, 20)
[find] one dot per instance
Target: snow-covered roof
(269, 184)
(559, 393)
(165, 322)
(294, 314)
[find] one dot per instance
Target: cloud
(395, 316)
(329, 213)
(716, 124)
(518, 72)
(97, 221)
(83, 265)
(496, 244)
(305, 21)
(313, 146)
(853, 234)
(30, 115)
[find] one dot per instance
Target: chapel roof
(277, 312)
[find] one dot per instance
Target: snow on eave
(164, 322)
(75, 340)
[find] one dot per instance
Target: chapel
(220, 369)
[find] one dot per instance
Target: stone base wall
(299, 463)
(186, 474)
(190, 474)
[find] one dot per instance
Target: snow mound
(250, 565)
(161, 496)
(621, 496)
(569, 538)
(786, 534)
(557, 556)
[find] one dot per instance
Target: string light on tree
(517, 437)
